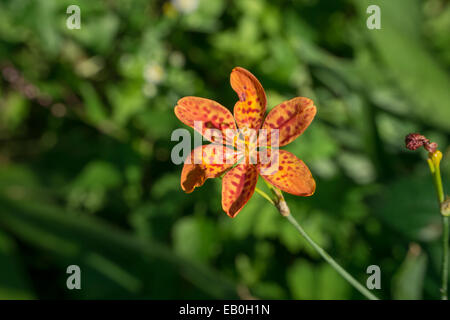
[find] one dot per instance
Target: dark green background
(85, 123)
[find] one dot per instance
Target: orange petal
(238, 186)
(291, 118)
(288, 173)
(210, 114)
(250, 109)
(204, 162)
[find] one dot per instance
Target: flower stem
(434, 159)
(358, 286)
(283, 208)
(445, 240)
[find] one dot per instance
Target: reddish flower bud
(414, 141)
(430, 147)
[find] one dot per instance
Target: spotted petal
(286, 172)
(204, 162)
(250, 109)
(291, 118)
(208, 113)
(238, 186)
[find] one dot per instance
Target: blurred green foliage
(85, 123)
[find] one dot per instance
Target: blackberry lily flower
(225, 155)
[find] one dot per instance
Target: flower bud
(414, 141)
(445, 207)
(430, 147)
(435, 157)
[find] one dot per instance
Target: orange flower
(290, 118)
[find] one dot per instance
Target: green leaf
(90, 187)
(15, 111)
(417, 73)
(331, 285)
(301, 280)
(308, 281)
(409, 206)
(94, 108)
(408, 282)
(196, 238)
(97, 31)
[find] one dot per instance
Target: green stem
(283, 208)
(358, 286)
(434, 163)
(445, 239)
